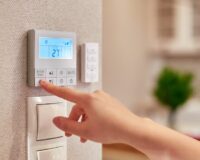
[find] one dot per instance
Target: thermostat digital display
(51, 57)
(55, 48)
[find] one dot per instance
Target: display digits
(55, 48)
(55, 53)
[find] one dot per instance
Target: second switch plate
(52, 154)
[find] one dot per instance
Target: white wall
(17, 17)
(125, 49)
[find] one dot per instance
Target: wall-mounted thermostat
(51, 57)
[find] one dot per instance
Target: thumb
(69, 126)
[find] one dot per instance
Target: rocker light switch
(52, 154)
(45, 114)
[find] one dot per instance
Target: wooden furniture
(121, 152)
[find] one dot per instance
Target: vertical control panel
(45, 140)
(90, 62)
(52, 57)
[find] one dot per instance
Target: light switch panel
(45, 114)
(90, 62)
(52, 154)
(45, 141)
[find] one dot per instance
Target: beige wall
(125, 49)
(16, 18)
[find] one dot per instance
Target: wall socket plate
(49, 148)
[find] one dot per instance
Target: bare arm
(104, 119)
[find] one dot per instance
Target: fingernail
(68, 134)
(82, 140)
(42, 82)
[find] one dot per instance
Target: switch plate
(53, 141)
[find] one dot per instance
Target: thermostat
(51, 57)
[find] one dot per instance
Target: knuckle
(91, 97)
(99, 92)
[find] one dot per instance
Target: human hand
(99, 117)
(95, 116)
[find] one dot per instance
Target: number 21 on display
(55, 53)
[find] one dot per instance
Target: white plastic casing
(58, 71)
(44, 140)
(90, 62)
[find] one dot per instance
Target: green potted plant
(173, 89)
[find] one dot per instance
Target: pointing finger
(65, 93)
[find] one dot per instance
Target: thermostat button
(40, 72)
(51, 80)
(71, 72)
(61, 81)
(71, 81)
(37, 81)
(61, 72)
(51, 73)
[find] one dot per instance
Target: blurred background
(151, 58)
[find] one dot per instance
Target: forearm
(161, 143)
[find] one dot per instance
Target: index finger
(65, 93)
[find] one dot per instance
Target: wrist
(148, 137)
(133, 129)
(138, 133)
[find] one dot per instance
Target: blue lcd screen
(55, 48)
